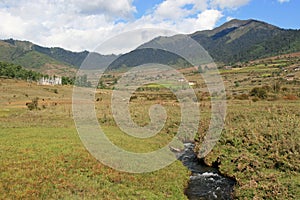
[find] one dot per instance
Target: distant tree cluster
(9, 70)
(67, 80)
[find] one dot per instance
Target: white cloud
(121, 8)
(112, 8)
(230, 4)
(60, 23)
(78, 24)
(176, 9)
(184, 16)
(11, 24)
(283, 1)
(208, 19)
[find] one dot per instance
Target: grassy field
(42, 156)
(260, 143)
(260, 147)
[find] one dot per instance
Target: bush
(33, 105)
(259, 92)
(236, 84)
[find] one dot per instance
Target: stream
(206, 183)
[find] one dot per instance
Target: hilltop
(234, 41)
(245, 40)
(54, 60)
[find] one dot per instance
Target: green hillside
(22, 53)
(73, 58)
(245, 40)
(234, 41)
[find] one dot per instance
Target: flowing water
(206, 183)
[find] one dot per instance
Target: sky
(79, 25)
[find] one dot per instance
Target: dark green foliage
(247, 40)
(235, 41)
(237, 84)
(30, 55)
(67, 80)
(15, 71)
(72, 58)
(148, 55)
(23, 53)
(259, 92)
(9, 70)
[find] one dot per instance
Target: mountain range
(244, 40)
(234, 41)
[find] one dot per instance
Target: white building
(54, 80)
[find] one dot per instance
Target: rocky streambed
(206, 183)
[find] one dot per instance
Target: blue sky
(285, 14)
(81, 25)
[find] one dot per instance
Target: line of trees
(12, 71)
(9, 70)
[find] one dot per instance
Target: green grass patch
(51, 163)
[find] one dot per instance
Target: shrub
(259, 92)
(236, 84)
(33, 105)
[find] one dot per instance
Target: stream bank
(206, 183)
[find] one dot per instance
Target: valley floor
(42, 156)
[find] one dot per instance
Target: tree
(67, 80)
(259, 92)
